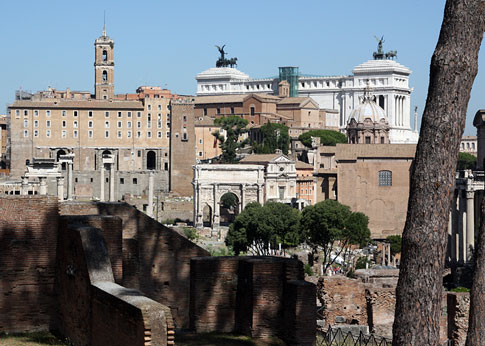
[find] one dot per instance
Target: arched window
(59, 153)
(105, 76)
(151, 160)
(385, 178)
(105, 55)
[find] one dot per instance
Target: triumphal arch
(211, 182)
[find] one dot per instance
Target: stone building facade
(387, 77)
(3, 142)
(132, 129)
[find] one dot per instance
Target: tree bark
(454, 66)
(476, 321)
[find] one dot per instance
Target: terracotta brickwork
(111, 228)
(381, 305)
(92, 309)
(256, 296)
(458, 308)
(28, 232)
(156, 259)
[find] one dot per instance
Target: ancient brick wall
(381, 305)
(300, 314)
(93, 309)
(28, 233)
(257, 296)
(111, 228)
(344, 300)
(156, 259)
(213, 289)
(458, 308)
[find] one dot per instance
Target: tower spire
(104, 23)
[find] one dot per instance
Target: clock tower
(104, 67)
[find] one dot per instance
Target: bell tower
(104, 67)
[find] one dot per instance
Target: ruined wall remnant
(458, 309)
(257, 296)
(28, 233)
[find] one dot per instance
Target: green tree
(327, 137)
(275, 136)
(466, 161)
(327, 222)
(259, 229)
(233, 127)
(229, 200)
(396, 243)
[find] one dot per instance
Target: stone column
(216, 212)
(150, 194)
(111, 182)
(101, 196)
(43, 186)
(450, 249)
(243, 198)
(470, 224)
(260, 194)
(70, 185)
(24, 190)
(383, 260)
(60, 188)
(388, 254)
(463, 254)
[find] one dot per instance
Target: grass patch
(222, 339)
(30, 339)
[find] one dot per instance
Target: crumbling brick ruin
(105, 273)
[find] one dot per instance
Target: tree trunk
(476, 321)
(453, 69)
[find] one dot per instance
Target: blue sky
(166, 43)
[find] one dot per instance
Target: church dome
(368, 109)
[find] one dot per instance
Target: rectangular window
(159, 107)
(138, 134)
(36, 113)
(149, 134)
(385, 178)
(106, 134)
(122, 181)
(17, 113)
(64, 113)
(48, 133)
(119, 124)
(90, 133)
(74, 133)
(168, 134)
(106, 124)
(26, 123)
(119, 134)
(26, 133)
(74, 124)
(90, 124)
(90, 114)
(64, 134)
(47, 123)
(119, 114)
(252, 111)
(64, 123)
(36, 133)
(106, 114)
(36, 123)
(26, 112)
(135, 181)
(232, 110)
(200, 153)
(138, 114)
(149, 107)
(128, 114)
(218, 110)
(128, 134)
(75, 113)
(205, 110)
(159, 134)
(138, 124)
(47, 113)
(128, 124)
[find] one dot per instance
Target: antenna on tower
(104, 23)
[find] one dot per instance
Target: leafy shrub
(327, 137)
(191, 234)
(308, 270)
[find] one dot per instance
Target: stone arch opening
(105, 76)
(105, 55)
(207, 216)
(229, 208)
(59, 153)
(151, 160)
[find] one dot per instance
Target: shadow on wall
(28, 232)
(156, 259)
